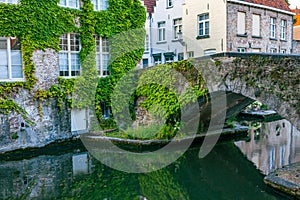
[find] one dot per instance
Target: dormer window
(70, 4)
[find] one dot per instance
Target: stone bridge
(274, 80)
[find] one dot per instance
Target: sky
(294, 3)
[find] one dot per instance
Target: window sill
(161, 42)
(241, 35)
(283, 40)
(12, 80)
(274, 39)
(168, 7)
(175, 40)
(202, 37)
(257, 37)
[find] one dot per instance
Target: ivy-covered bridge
(271, 79)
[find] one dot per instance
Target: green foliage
(39, 24)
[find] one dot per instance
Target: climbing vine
(39, 24)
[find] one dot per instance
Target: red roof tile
(296, 17)
(279, 4)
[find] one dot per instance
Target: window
(241, 49)
(69, 3)
(241, 29)
(169, 3)
(190, 54)
(161, 31)
(69, 64)
(273, 50)
(283, 30)
(256, 25)
(102, 55)
(145, 62)
(273, 27)
(203, 25)
(180, 56)
(157, 58)
(100, 4)
(169, 57)
(177, 27)
(11, 59)
(283, 51)
(10, 1)
(147, 43)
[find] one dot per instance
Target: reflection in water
(80, 176)
(272, 145)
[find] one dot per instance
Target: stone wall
(264, 43)
(296, 46)
(49, 124)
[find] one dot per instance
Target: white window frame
(256, 32)
(9, 62)
(100, 4)
(161, 31)
(180, 56)
(283, 27)
(10, 1)
(273, 27)
(273, 50)
(283, 51)
(204, 23)
(169, 3)
(102, 67)
(67, 5)
(241, 49)
(177, 27)
(241, 23)
(69, 53)
(190, 54)
(256, 50)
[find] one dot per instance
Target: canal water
(70, 172)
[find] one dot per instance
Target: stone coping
(227, 133)
(286, 180)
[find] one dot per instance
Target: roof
(279, 4)
(297, 16)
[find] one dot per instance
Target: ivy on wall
(39, 24)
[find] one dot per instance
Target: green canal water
(70, 172)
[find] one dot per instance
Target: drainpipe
(150, 38)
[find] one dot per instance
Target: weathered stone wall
(49, 123)
(296, 46)
(264, 43)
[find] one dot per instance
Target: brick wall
(264, 43)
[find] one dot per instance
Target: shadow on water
(223, 174)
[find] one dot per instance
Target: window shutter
(255, 25)
(241, 29)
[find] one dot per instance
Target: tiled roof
(150, 5)
(279, 4)
(296, 17)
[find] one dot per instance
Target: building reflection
(271, 145)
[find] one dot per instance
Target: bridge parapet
(273, 79)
